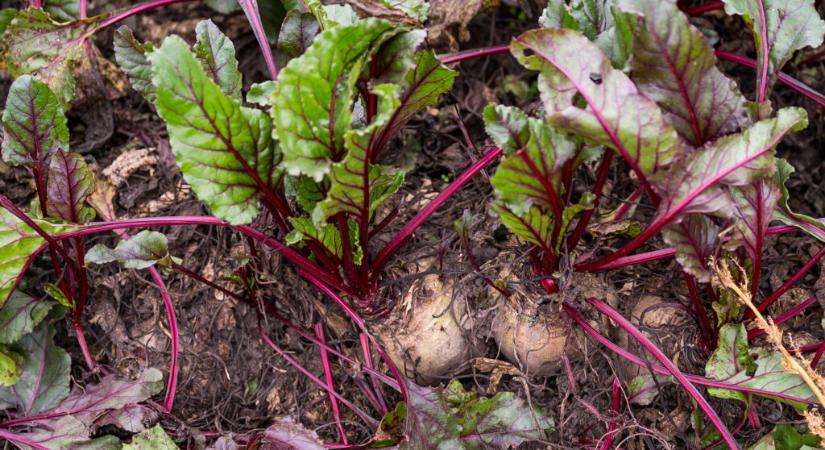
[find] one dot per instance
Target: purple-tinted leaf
(675, 66)
(33, 124)
(141, 251)
(752, 212)
(734, 363)
(297, 33)
(287, 434)
(697, 184)
(217, 55)
(130, 55)
(453, 418)
(70, 184)
(312, 110)
(614, 113)
(695, 238)
(225, 151)
(507, 126)
(44, 372)
(20, 315)
(62, 10)
(780, 28)
(396, 58)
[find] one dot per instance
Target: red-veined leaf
(70, 184)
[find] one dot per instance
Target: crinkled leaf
(33, 42)
(358, 187)
(532, 176)
(752, 212)
(615, 113)
(334, 15)
(732, 362)
(695, 238)
(18, 242)
(8, 369)
(152, 439)
(297, 33)
(783, 212)
(70, 184)
(62, 10)
(142, 250)
(454, 419)
(287, 434)
(780, 27)
(674, 65)
(262, 93)
(20, 315)
(216, 53)
(697, 184)
(33, 124)
(313, 98)
(507, 126)
(306, 191)
(131, 56)
(225, 151)
(535, 226)
(44, 372)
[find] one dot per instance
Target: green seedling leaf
(58, 295)
(141, 251)
(285, 433)
(780, 28)
(535, 226)
(733, 362)
(614, 114)
(455, 419)
(43, 372)
(154, 438)
(34, 44)
(675, 66)
(312, 110)
(643, 389)
(8, 370)
(783, 212)
(20, 315)
(131, 56)
(225, 151)
(696, 239)
(217, 55)
(18, 242)
(785, 437)
(71, 183)
(297, 33)
(6, 16)
(262, 93)
(62, 10)
(33, 123)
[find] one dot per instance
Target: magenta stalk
(336, 412)
(469, 54)
(784, 317)
(672, 370)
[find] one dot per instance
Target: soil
(231, 382)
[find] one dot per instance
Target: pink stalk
(379, 393)
(336, 413)
(630, 357)
(763, 76)
(11, 437)
(458, 57)
(82, 8)
(169, 401)
(611, 431)
(584, 220)
(703, 8)
(819, 351)
(784, 317)
(250, 8)
(364, 416)
(789, 283)
(406, 232)
(700, 311)
(668, 364)
(788, 80)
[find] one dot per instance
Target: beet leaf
(783, 212)
(141, 251)
(695, 239)
(217, 55)
(20, 315)
(675, 66)
(131, 57)
(70, 184)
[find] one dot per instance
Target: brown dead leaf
(374, 8)
(129, 162)
(497, 369)
(451, 17)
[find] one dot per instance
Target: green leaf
(455, 419)
(416, 9)
(733, 363)
(130, 55)
(357, 187)
(643, 389)
(783, 212)
(62, 10)
(141, 251)
(20, 315)
(675, 66)
(569, 213)
(8, 369)
(262, 93)
(44, 372)
(312, 110)
(18, 242)
(615, 114)
(33, 124)
(58, 295)
(297, 33)
(695, 238)
(535, 226)
(785, 437)
(780, 28)
(224, 6)
(327, 235)
(71, 183)
(507, 126)
(216, 53)
(225, 151)
(753, 207)
(6, 16)
(152, 439)
(33, 42)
